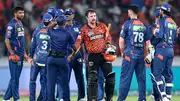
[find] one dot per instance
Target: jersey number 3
(45, 43)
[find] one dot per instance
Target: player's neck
(17, 19)
(92, 25)
(70, 22)
(134, 17)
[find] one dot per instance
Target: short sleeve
(9, 31)
(124, 30)
(71, 39)
(159, 29)
(148, 33)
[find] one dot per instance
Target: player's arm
(79, 40)
(9, 32)
(149, 48)
(121, 39)
(72, 43)
(8, 45)
(158, 30)
(33, 45)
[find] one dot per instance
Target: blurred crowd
(108, 11)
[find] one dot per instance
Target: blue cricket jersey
(40, 46)
(135, 35)
(60, 39)
(74, 29)
(15, 32)
(165, 32)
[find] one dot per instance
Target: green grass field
(129, 98)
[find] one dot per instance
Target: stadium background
(108, 11)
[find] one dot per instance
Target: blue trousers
(61, 66)
(128, 68)
(13, 86)
(154, 88)
(162, 73)
(77, 66)
(43, 81)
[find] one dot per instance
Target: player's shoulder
(169, 19)
(101, 24)
(137, 22)
(84, 28)
(76, 23)
(12, 23)
(126, 24)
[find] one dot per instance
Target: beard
(93, 21)
(20, 17)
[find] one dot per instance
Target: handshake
(150, 56)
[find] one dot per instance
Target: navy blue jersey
(40, 46)
(60, 39)
(74, 29)
(166, 32)
(135, 34)
(38, 28)
(153, 39)
(15, 32)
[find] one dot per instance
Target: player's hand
(31, 62)
(148, 59)
(122, 55)
(69, 58)
(14, 58)
(25, 57)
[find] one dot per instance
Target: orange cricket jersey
(94, 39)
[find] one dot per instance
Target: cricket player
(154, 96)
(39, 55)
(14, 41)
(165, 34)
(58, 60)
(133, 38)
(77, 61)
(95, 38)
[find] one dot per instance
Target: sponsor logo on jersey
(45, 37)
(21, 33)
(138, 28)
(172, 26)
(97, 37)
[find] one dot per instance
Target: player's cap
(69, 11)
(157, 13)
(62, 19)
(47, 17)
(59, 12)
(51, 11)
(166, 7)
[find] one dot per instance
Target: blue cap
(51, 11)
(69, 11)
(157, 13)
(59, 12)
(62, 19)
(47, 18)
(165, 7)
